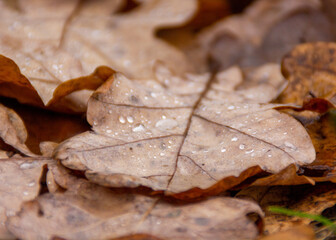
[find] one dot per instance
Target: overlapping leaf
(52, 42)
(19, 182)
(175, 135)
(88, 211)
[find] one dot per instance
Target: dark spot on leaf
(163, 146)
(180, 229)
(134, 99)
(174, 214)
(40, 212)
(202, 221)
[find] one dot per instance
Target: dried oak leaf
(322, 130)
(53, 42)
(174, 135)
(287, 176)
(310, 70)
(89, 211)
(13, 131)
(263, 33)
(19, 182)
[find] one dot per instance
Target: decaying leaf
(263, 33)
(180, 135)
(88, 211)
(52, 42)
(310, 69)
(13, 131)
(19, 182)
(305, 198)
(323, 135)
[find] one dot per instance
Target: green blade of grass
(325, 221)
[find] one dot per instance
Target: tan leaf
(13, 131)
(53, 42)
(47, 148)
(174, 135)
(88, 211)
(19, 182)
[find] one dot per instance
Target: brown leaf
(311, 106)
(174, 135)
(53, 42)
(43, 125)
(88, 211)
(12, 82)
(13, 131)
(19, 182)
(310, 69)
(263, 33)
(287, 176)
(304, 198)
(323, 135)
(300, 232)
(91, 82)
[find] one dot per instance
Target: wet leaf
(52, 42)
(19, 182)
(180, 135)
(88, 211)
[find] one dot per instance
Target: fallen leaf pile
(197, 118)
